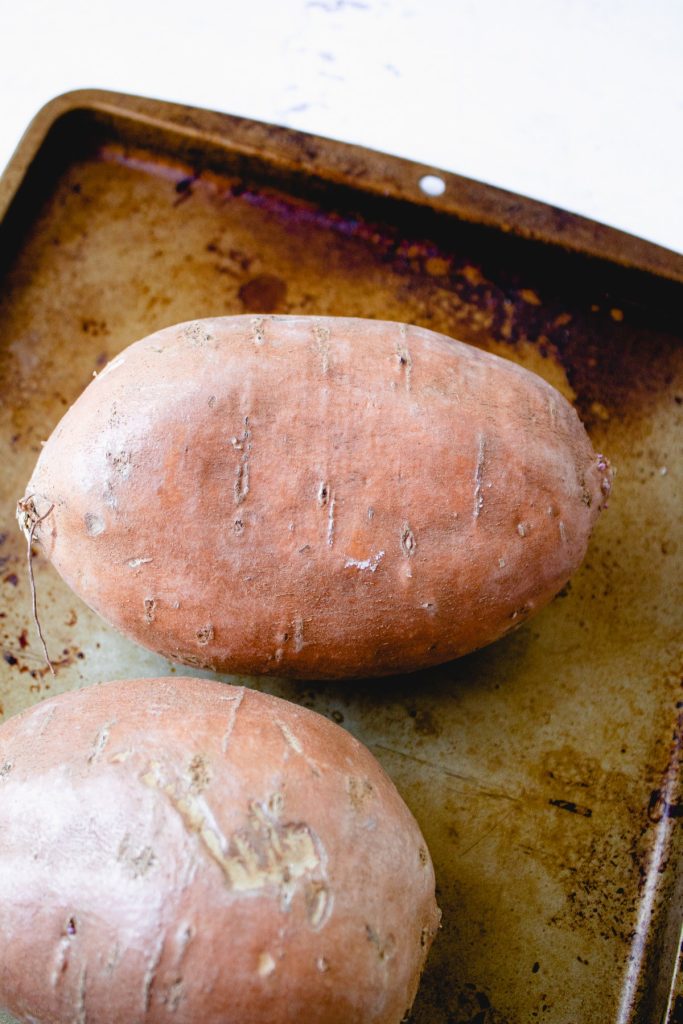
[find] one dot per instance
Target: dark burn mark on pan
(184, 189)
(659, 807)
(263, 294)
(571, 309)
(677, 1014)
(569, 805)
(474, 281)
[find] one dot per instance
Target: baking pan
(543, 770)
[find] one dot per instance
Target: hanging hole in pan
(432, 185)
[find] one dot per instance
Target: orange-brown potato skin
(177, 851)
(316, 497)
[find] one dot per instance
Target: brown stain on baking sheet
(573, 808)
(265, 293)
(485, 298)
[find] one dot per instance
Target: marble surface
(575, 102)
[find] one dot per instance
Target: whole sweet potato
(178, 851)
(315, 497)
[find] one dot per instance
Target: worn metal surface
(543, 770)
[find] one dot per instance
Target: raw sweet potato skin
(180, 850)
(316, 497)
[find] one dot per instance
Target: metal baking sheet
(543, 770)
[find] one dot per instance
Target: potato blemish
(264, 852)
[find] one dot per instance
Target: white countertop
(575, 102)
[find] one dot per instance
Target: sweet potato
(315, 497)
(178, 851)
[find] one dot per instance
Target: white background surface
(576, 102)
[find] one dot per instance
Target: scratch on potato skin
(100, 741)
(293, 742)
(325, 499)
(298, 634)
(150, 976)
(478, 477)
(323, 493)
(135, 563)
(257, 330)
(61, 960)
(290, 738)
(330, 523)
(174, 994)
(371, 564)
(236, 703)
(318, 903)
(46, 720)
(186, 936)
(81, 1013)
(408, 542)
(322, 340)
(241, 488)
(405, 360)
(113, 958)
